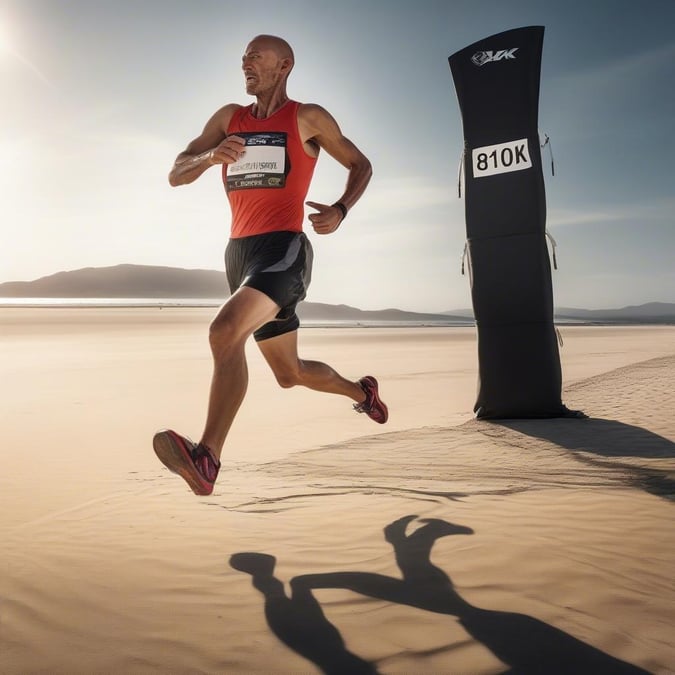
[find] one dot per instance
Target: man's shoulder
(223, 116)
(231, 108)
(309, 107)
(312, 111)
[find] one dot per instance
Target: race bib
(263, 165)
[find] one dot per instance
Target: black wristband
(342, 208)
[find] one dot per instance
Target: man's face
(262, 67)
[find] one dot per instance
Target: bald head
(278, 45)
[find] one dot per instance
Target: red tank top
(268, 185)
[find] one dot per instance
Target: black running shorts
(278, 264)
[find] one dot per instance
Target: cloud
(391, 196)
(659, 210)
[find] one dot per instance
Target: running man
(268, 151)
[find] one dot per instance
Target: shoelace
(361, 407)
(204, 460)
(365, 406)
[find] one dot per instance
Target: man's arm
(212, 146)
(319, 127)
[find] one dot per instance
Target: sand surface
(433, 544)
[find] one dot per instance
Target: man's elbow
(367, 168)
(174, 179)
(364, 167)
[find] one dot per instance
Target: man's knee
(289, 376)
(224, 334)
(287, 379)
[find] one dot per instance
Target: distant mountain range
(170, 283)
(121, 281)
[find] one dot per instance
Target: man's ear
(286, 65)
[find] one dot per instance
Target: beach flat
(434, 544)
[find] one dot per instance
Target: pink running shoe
(372, 406)
(196, 464)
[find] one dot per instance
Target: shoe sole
(376, 393)
(171, 451)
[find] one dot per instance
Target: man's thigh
(244, 312)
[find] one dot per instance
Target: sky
(97, 97)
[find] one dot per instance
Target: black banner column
(497, 85)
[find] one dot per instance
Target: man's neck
(265, 106)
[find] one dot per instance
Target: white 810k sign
(489, 160)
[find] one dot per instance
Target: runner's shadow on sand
(607, 439)
(524, 644)
(299, 621)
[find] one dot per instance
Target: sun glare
(9, 52)
(5, 42)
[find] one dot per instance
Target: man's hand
(228, 151)
(327, 219)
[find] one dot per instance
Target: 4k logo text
(481, 58)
